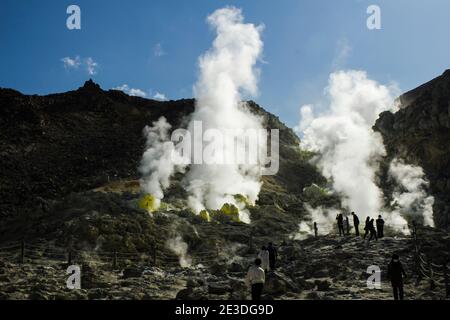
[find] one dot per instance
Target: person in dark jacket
(340, 223)
(356, 223)
(366, 227)
(316, 230)
(272, 255)
(373, 232)
(380, 227)
(396, 274)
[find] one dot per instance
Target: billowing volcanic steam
(349, 150)
(159, 162)
(227, 71)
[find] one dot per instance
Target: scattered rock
(218, 288)
(323, 285)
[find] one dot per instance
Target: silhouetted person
(272, 256)
(347, 225)
(373, 232)
(366, 227)
(264, 256)
(380, 227)
(396, 273)
(340, 223)
(356, 223)
(316, 231)
(255, 279)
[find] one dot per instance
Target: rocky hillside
(420, 133)
(69, 188)
(58, 150)
(323, 268)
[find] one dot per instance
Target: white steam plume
(411, 199)
(179, 247)
(344, 137)
(226, 71)
(324, 217)
(159, 161)
(349, 150)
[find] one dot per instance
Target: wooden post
(115, 260)
(446, 282)
(22, 252)
(69, 258)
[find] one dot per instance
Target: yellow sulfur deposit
(231, 211)
(149, 203)
(242, 199)
(205, 215)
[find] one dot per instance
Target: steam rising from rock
(411, 197)
(344, 137)
(349, 150)
(159, 161)
(226, 71)
(179, 247)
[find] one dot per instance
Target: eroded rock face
(420, 133)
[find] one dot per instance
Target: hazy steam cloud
(344, 137)
(159, 161)
(227, 70)
(411, 198)
(349, 151)
(325, 219)
(179, 247)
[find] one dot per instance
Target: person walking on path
(380, 227)
(356, 223)
(396, 274)
(373, 232)
(340, 224)
(366, 227)
(255, 279)
(273, 254)
(264, 256)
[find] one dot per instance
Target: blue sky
(154, 45)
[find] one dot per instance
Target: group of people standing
(256, 275)
(369, 227)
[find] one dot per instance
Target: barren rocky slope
(325, 268)
(70, 184)
(420, 133)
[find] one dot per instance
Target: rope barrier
(425, 267)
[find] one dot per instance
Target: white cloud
(158, 50)
(76, 62)
(131, 91)
(71, 63)
(91, 66)
(159, 96)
